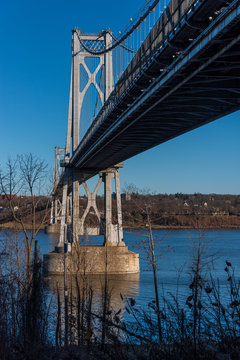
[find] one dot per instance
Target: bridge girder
(213, 57)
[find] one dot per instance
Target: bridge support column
(108, 67)
(56, 209)
(113, 234)
(75, 207)
(108, 238)
(56, 206)
(69, 208)
(51, 214)
(63, 214)
(91, 204)
(119, 206)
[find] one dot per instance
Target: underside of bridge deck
(178, 90)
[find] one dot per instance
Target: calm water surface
(174, 253)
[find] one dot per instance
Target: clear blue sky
(35, 60)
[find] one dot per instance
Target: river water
(174, 253)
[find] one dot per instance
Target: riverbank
(171, 212)
(165, 227)
(16, 226)
(123, 351)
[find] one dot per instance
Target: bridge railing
(175, 16)
(165, 28)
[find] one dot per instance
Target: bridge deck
(173, 85)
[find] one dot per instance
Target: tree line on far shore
(173, 210)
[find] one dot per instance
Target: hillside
(173, 211)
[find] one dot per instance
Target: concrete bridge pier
(56, 208)
(75, 207)
(55, 217)
(69, 208)
(92, 259)
(113, 234)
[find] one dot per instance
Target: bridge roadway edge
(161, 134)
(95, 260)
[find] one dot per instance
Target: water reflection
(119, 287)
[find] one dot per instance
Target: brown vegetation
(184, 211)
(179, 210)
(168, 211)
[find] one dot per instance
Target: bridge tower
(56, 206)
(72, 177)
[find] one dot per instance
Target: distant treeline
(174, 210)
(183, 210)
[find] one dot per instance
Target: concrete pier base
(92, 260)
(52, 228)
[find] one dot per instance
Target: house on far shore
(8, 196)
(126, 196)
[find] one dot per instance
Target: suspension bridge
(174, 68)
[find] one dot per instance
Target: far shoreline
(17, 227)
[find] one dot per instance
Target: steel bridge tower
(68, 210)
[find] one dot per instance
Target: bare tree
(26, 175)
(32, 172)
(149, 242)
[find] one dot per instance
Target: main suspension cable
(127, 33)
